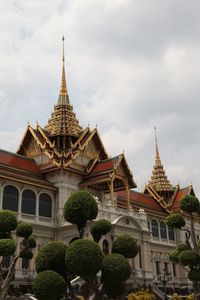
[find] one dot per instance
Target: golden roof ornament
(63, 96)
(63, 121)
(159, 180)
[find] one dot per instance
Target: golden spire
(159, 180)
(63, 96)
(156, 140)
(63, 121)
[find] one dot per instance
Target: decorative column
(127, 195)
(112, 191)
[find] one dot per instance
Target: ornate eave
(114, 169)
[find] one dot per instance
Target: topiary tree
(115, 271)
(80, 208)
(99, 228)
(8, 223)
(187, 254)
(84, 257)
(49, 285)
(126, 246)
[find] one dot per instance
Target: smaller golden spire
(63, 96)
(156, 140)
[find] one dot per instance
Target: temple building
(53, 162)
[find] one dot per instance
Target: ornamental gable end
(31, 148)
(92, 150)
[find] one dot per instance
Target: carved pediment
(31, 149)
(91, 151)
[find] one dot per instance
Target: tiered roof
(159, 181)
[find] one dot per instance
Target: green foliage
(175, 221)
(8, 221)
(83, 258)
(194, 275)
(52, 257)
(190, 204)
(49, 285)
(188, 257)
(126, 246)
(115, 266)
(99, 228)
(26, 253)
(29, 242)
(7, 247)
(114, 288)
(174, 256)
(183, 246)
(24, 229)
(5, 235)
(80, 208)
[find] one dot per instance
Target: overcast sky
(131, 65)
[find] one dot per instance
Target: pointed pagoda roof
(159, 180)
(63, 121)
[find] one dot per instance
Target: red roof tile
(17, 161)
(105, 165)
(142, 200)
(180, 195)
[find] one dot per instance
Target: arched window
(10, 198)
(28, 202)
(149, 226)
(105, 247)
(45, 206)
(163, 230)
(171, 234)
(154, 228)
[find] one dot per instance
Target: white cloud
(130, 65)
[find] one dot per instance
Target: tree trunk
(8, 279)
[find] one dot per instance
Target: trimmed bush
(30, 242)
(114, 288)
(83, 258)
(126, 246)
(49, 285)
(80, 208)
(7, 247)
(5, 235)
(188, 257)
(115, 266)
(8, 221)
(194, 275)
(24, 229)
(174, 256)
(175, 221)
(190, 204)
(26, 253)
(52, 257)
(99, 228)
(182, 246)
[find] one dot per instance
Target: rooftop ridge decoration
(159, 180)
(63, 121)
